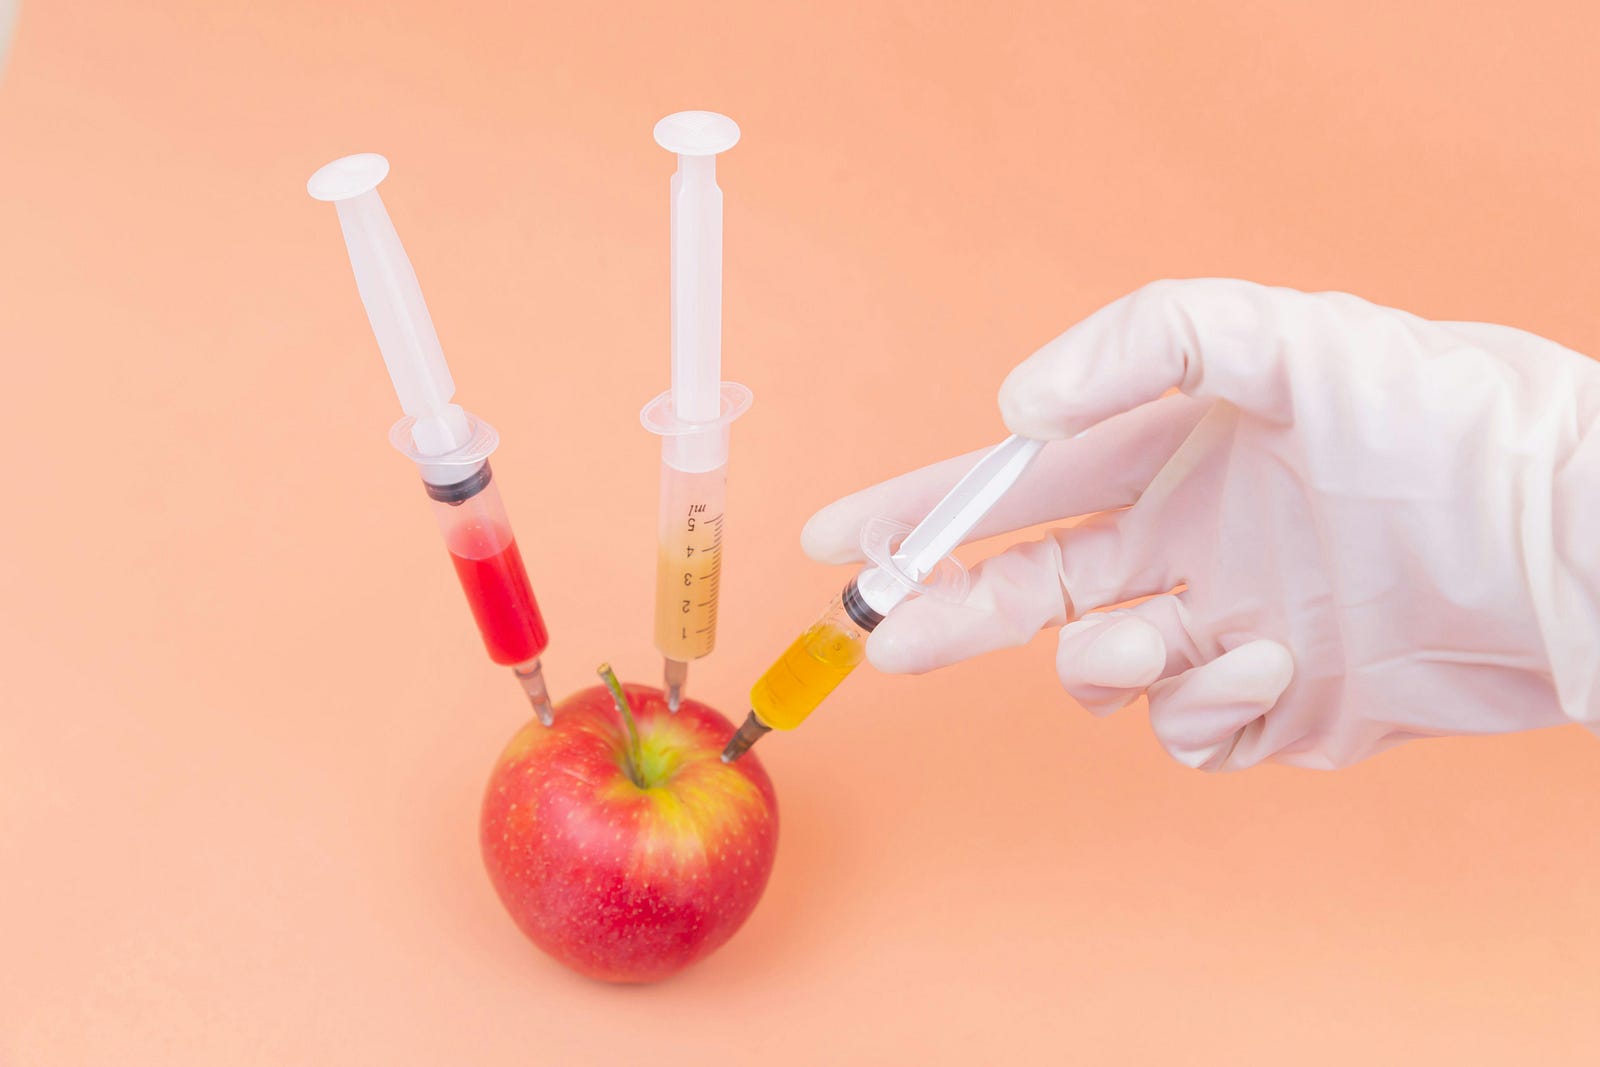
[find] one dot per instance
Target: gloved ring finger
(1108, 659)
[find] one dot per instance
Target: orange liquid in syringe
(686, 603)
(689, 563)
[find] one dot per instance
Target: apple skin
(617, 882)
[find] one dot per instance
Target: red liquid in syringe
(497, 588)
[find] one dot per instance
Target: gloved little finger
(1200, 715)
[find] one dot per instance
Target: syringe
(692, 418)
(450, 447)
(832, 647)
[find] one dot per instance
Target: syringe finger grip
(695, 447)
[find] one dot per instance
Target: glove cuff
(1569, 605)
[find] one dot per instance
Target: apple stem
(632, 755)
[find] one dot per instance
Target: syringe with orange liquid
(693, 417)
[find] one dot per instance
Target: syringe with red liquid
(450, 447)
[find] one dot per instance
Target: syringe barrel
(689, 561)
(814, 664)
(705, 450)
(477, 532)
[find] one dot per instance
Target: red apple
(624, 880)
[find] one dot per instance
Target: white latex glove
(1355, 526)
(8, 19)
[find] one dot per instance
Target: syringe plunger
(393, 301)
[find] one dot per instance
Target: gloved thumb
(1216, 338)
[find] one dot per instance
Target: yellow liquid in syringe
(807, 672)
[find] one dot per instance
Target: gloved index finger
(1216, 338)
(1106, 468)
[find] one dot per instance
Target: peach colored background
(246, 720)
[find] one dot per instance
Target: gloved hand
(1354, 526)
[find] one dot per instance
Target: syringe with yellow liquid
(692, 418)
(919, 565)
